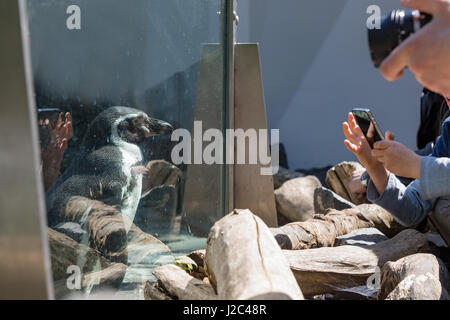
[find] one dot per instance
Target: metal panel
(231, 41)
(24, 265)
(204, 186)
(251, 189)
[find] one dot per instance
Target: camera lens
(394, 29)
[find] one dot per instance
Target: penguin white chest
(131, 192)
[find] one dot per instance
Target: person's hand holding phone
(357, 143)
(397, 158)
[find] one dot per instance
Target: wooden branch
(415, 277)
(108, 234)
(104, 224)
(65, 252)
(244, 262)
(328, 270)
(322, 230)
(178, 283)
(111, 276)
(144, 248)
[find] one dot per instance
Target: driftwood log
(415, 277)
(328, 270)
(96, 272)
(181, 285)
(104, 224)
(322, 230)
(243, 260)
(66, 252)
(108, 234)
(111, 277)
(144, 248)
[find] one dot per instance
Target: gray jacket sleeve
(434, 177)
(404, 203)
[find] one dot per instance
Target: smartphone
(366, 121)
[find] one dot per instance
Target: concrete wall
(316, 68)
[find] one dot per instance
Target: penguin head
(136, 129)
(127, 124)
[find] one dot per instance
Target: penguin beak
(164, 128)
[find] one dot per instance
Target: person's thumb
(428, 6)
(389, 136)
(381, 145)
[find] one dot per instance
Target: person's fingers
(354, 127)
(393, 66)
(351, 147)
(378, 153)
(63, 144)
(69, 123)
(348, 133)
(389, 136)
(382, 145)
(59, 122)
(381, 160)
(428, 6)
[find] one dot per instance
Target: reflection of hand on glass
(60, 134)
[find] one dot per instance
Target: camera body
(394, 29)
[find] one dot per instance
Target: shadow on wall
(316, 68)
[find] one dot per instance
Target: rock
(295, 198)
(152, 291)
(198, 256)
(282, 220)
(326, 199)
(338, 179)
(415, 277)
(284, 175)
(361, 237)
(72, 230)
(436, 239)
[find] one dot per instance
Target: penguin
(109, 166)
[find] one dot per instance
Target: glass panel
(116, 202)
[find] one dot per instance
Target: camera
(394, 29)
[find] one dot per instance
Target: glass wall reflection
(113, 80)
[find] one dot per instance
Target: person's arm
(435, 177)
(357, 143)
(405, 204)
